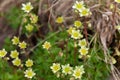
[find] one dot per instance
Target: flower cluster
(66, 69)
(76, 34)
(30, 18)
(16, 41)
(80, 7)
(83, 50)
(76, 31)
(17, 61)
(14, 55)
(30, 21)
(29, 73)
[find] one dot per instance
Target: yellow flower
(83, 51)
(117, 27)
(70, 30)
(117, 52)
(16, 62)
(33, 18)
(29, 27)
(27, 7)
(82, 43)
(78, 72)
(113, 60)
(46, 45)
(59, 20)
(3, 53)
(77, 24)
(22, 45)
(111, 6)
(118, 1)
(76, 34)
(15, 40)
(29, 73)
(66, 69)
(78, 5)
(85, 12)
(14, 54)
(55, 67)
(29, 63)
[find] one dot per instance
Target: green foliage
(8, 72)
(8, 45)
(95, 67)
(63, 50)
(14, 17)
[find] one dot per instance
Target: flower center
(83, 51)
(78, 73)
(79, 6)
(28, 7)
(56, 68)
(29, 73)
(67, 69)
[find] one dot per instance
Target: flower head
(46, 45)
(3, 53)
(55, 67)
(66, 69)
(77, 24)
(16, 62)
(59, 20)
(83, 51)
(85, 12)
(118, 1)
(82, 43)
(77, 73)
(14, 54)
(29, 27)
(70, 30)
(111, 6)
(33, 18)
(113, 60)
(117, 27)
(27, 7)
(15, 40)
(22, 45)
(78, 5)
(76, 34)
(29, 73)
(28, 63)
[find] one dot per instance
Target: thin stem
(43, 41)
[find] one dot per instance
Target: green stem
(43, 41)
